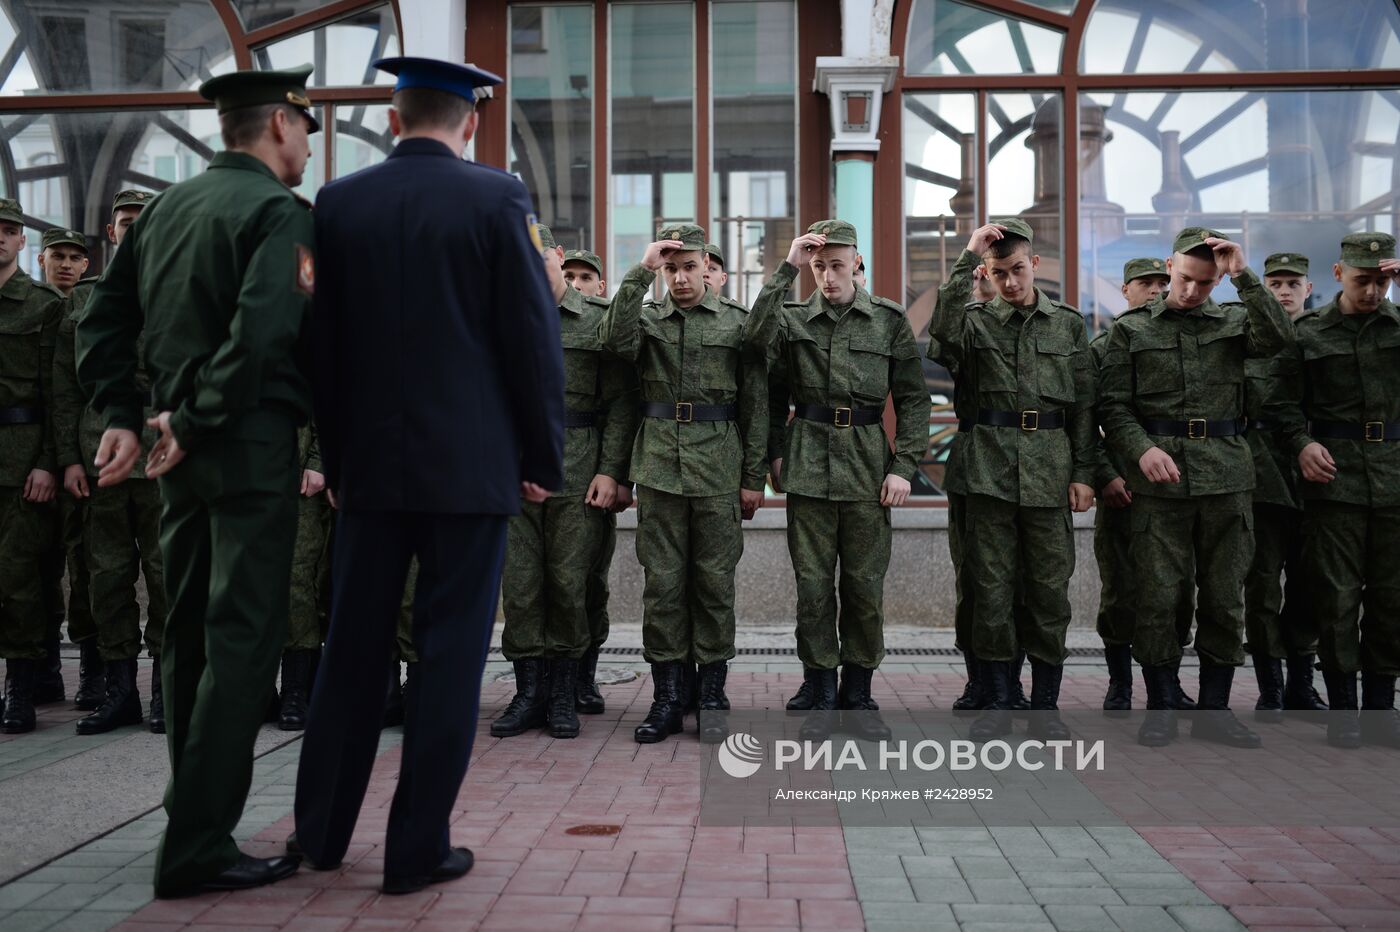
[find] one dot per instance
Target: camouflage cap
(546, 236)
(11, 211)
(1283, 262)
(58, 236)
(239, 89)
(837, 232)
(1143, 268)
(712, 250)
(691, 236)
(587, 258)
(1015, 226)
(131, 198)
(1192, 237)
(1366, 250)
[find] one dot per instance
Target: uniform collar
(243, 161)
(421, 145)
(710, 302)
(573, 301)
(1210, 309)
(818, 305)
(1003, 311)
(18, 285)
(1331, 315)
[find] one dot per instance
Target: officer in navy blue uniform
(439, 400)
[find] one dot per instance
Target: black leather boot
(1045, 723)
(563, 698)
(296, 688)
(1183, 702)
(863, 712)
(1299, 695)
(1268, 671)
(995, 720)
(1015, 693)
(529, 707)
(690, 687)
(393, 698)
(589, 700)
(667, 714)
(710, 719)
(1343, 720)
(1158, 728)
(1118, 701)
(1213, 720)
(971, 699)
(19, 696)
(121, 704)
(805, 696)
(157, 717)
(48, 678)
(1380, 723)
(821, 713)
(91, 682)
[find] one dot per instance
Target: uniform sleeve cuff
(1246, 279)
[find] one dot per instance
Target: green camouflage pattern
(1277, 619)
(122, 530)
(1276, 475)
(27, 532)
(403, 634)
(596, 599)
(1349, 558)
(1366, 250)
(310, 598)
(596, 381)
(30, 314)
(72, 517)
(551, 549)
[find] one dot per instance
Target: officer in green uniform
(1173, 411)
(1029, 458)
(309, 604)
(219, 271)
(1339, 408)
(698, 463)
(30, 314)
(1277, 623)
(552, 547)
(841, 353)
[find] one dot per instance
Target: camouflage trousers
(403, 635)
(1207, 541)
(1351, 558)
(820, 534)
(1018, 561)
(1277, 619)
(962, 606)
(70, 553)
(551, 555)
(311, 574)
(598, 592)
(27, 532)
(122, 531)
(688, 547)
(1113, 534)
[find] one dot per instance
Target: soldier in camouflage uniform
(1173, 411)
(552, 547)
(30, 313)
(1339, 409)
(838, 355)
(698, 462)
(716, 276)
(309, 605)
(1277, 623)
(1029, 458)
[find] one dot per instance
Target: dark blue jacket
(438, 378)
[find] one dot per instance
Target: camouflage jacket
(30, 313)
(1276, 475)
(595, 381)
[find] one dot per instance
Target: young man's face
(1144, 288)
(1291, 289)
(715, 275)
(11, 242)
(834, 268)
(1192, 280)
(584, 279)
(684, 273)
(1014, 276)
(121, 222)
(1362, 289)
(63, 266)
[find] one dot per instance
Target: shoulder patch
(730, 302)
(306, 270)
(600, 302)
(887, 304)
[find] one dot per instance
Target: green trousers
(1207, 541)
(688, 547)
(227, 534)
(962, 605)
(598, 592)
(72, 516)
(551, 555)
(1351, 559)
(309, 611)
(1113, 534)
(1277, 618)
(123, 542)
(28, 532)
(856, 535)
(1018, 561)
(403, 634)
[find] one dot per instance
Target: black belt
(580, 418)
(12, 416)
(684, 412)
(841, 417)
(1370, 431)
(1028, 420)
(1197, 428)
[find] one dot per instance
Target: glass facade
(947, 37)
(341, 52)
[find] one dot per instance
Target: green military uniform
(219, 272)
(838, 364)
(1174, 379)
(30, 314)
(311, 557)
(1340, 387)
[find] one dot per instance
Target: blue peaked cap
(461, 80)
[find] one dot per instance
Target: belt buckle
(689, 410)
(1374, 431)
(836, 419)
(1030, 420)
(1191, 433)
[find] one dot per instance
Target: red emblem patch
(306, 270)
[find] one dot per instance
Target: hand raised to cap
(1229, 256)
(1391, 267)
(804, 247)
(984, 236)
(658, 252)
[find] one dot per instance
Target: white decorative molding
(856, 87)
(865, 28)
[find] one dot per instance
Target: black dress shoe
(457, 863)
(295, 849)
(249, 872)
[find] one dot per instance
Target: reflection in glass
(754, 69)
(653, 124)
(341, 52)
(551, 116)
(362, 137)
(1279, 170)
(1152, 36)
(946, 37)
(1023, 172)
(255, 14)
